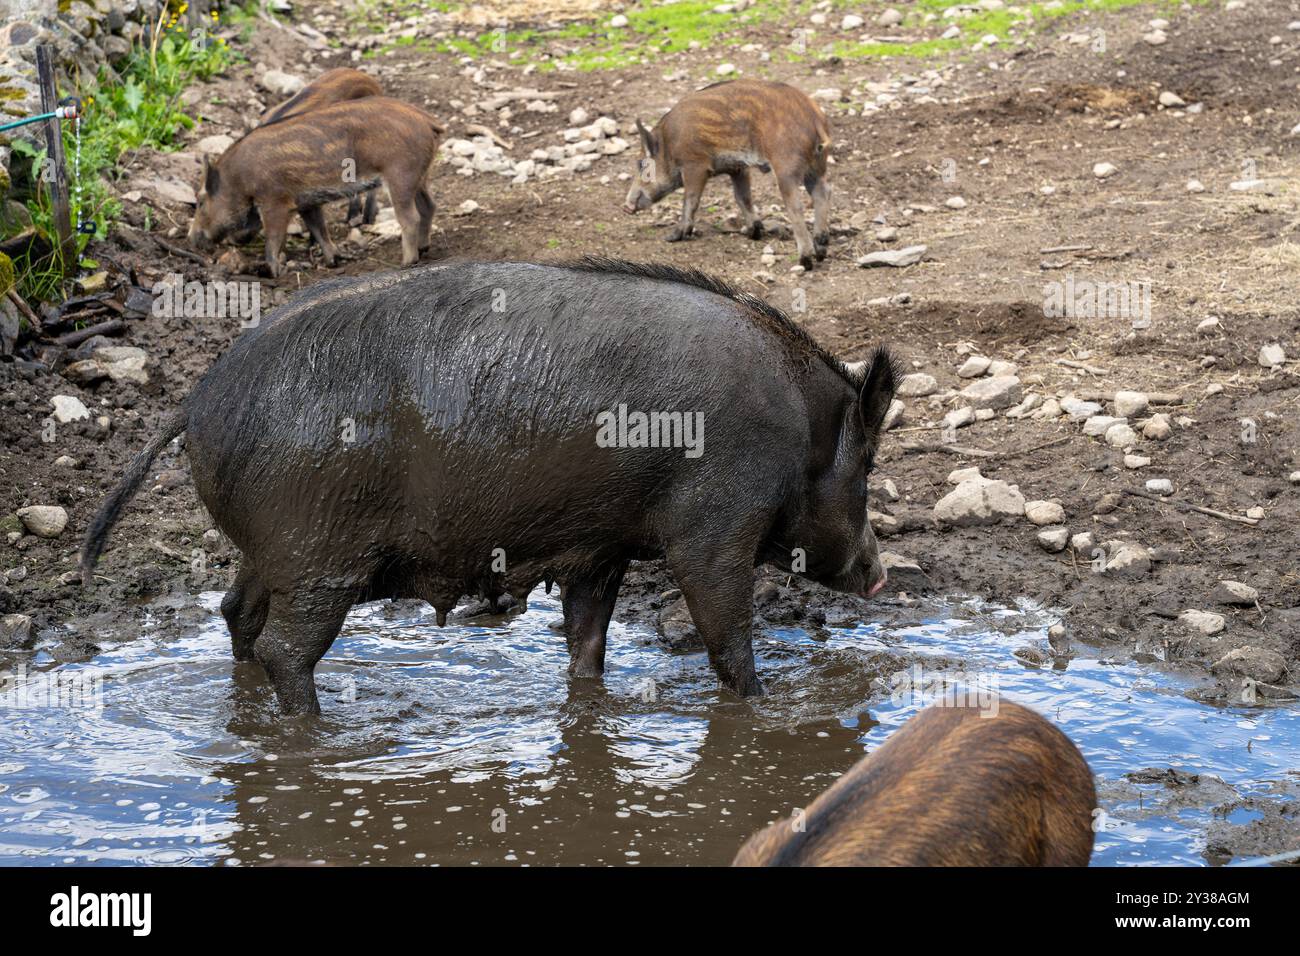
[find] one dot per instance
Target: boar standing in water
(333, 86)
(396, 435)
(955, 786)
(730, 128)
(299, 162)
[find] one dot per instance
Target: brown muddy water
(469, 745)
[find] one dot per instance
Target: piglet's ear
(211, 180)
(877, 393)
(647, 137)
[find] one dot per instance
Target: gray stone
(1203, 622)
(979, 501)
(44, 521)
(1129, 560)
(1131, 404)
(917, 385)
(1234, 593)
(975, 366)
(1256, 663)
(1044, 513)
(898, 258)
(1054, 539)
(15, 631)
(68, 408)
(995, 393)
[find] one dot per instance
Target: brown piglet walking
(730, 128)
(330, 153)
(333, 86)
(955, 786)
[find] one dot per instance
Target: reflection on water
(470, 745)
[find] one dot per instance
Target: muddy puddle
(470, 745)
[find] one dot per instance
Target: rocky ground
(1130, 461)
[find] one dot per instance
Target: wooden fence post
(54, 155)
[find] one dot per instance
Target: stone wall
(86, 35)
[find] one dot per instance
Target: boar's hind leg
(315, 220)
(300, 627)
(795, 210)
(694, 180)
(720, 596)
(740, 187)
(820, 191)
(244, 608)
(588, 607)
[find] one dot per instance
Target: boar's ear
(210, 177)
(647, 137)
(877, 393)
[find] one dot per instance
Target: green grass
(654, 31)
(136, 108)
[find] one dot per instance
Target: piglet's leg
(820, 190)
(275, 220)
(693, 179)
(740, 187)
(315, 220)
(794, 208)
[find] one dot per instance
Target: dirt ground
(1018, 143)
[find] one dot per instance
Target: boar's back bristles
(763, 311)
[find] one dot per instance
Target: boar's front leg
(588, 606)
(740, 187)
(718, 585)
(795, 210)
(315, 220)
(694, 180)
(300, 627)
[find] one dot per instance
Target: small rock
(1155, 38)
(1120, 435)
(1045, 513)
(1129, 560)
(1104, 170)
(1131, 404)
(725, 69)
(578, 117)
(1097, 425)
(1207, 326)
(68, 408)
(1136, 461)
(916, 385)
(618, 21)
(1195, 186)
(214, 145)
(1256, 513)
(1234, 593)
(959, 417)
(1256, 663)
(1079, 410)
(44, 521)
(955, 202)
(994, 393)
(466, 208)
(897, 258)
(958, 475)
(1203, 622)
(979, 501)
(1272, 355)
(974, 367)
(893, 414)
(852, 21)
(1160, 486)
(15, 631)
(280, 83)
(1170, 99)
(1053, 539)
(889, 18)
(1157, 428)
(1083, 542)
(886, 234)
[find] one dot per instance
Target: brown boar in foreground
(730, 128)
(333, 86)
(956, 786)
(330, 153)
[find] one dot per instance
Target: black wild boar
(955, 786)
(333, 152)
(730, 128)
(473, 428)
(333, 86)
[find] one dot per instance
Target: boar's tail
(111, 509)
